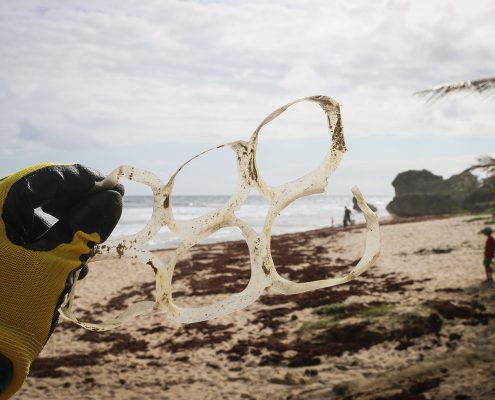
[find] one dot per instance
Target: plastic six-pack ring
(263, 270)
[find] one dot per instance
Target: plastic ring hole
(210, 272)
(205, 184)
(137, 209)
(110, 287)
(293, 144)
(305, 241)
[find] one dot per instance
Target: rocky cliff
(424, 193)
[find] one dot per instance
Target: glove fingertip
(83, 272)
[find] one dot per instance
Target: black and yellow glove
(38, 260)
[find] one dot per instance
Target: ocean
(312, 212)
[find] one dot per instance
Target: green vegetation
(479, 218)
(331, 314)
(335, 310)
(378, 311)
(315, 325)
(338, 311)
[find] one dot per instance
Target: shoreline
(384, 221)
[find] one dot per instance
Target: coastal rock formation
(418, 204)
(356, 207)
(480, 199)
(415, 182)
(423, 193)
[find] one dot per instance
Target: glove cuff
(21, 348)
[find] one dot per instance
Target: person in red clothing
(489, 253)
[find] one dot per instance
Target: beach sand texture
(418, 325)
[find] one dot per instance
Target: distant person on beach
(38, 260)
(347, 217)
(489, 253)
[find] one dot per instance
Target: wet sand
(418, 325)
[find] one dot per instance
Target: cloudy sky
(151, 83)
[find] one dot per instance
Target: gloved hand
(38, 260)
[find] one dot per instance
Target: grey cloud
(189, 70)
(28, 131)
(77, 138)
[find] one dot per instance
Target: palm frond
(485, 163)
(479, 85)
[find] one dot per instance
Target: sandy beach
(419, 325)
